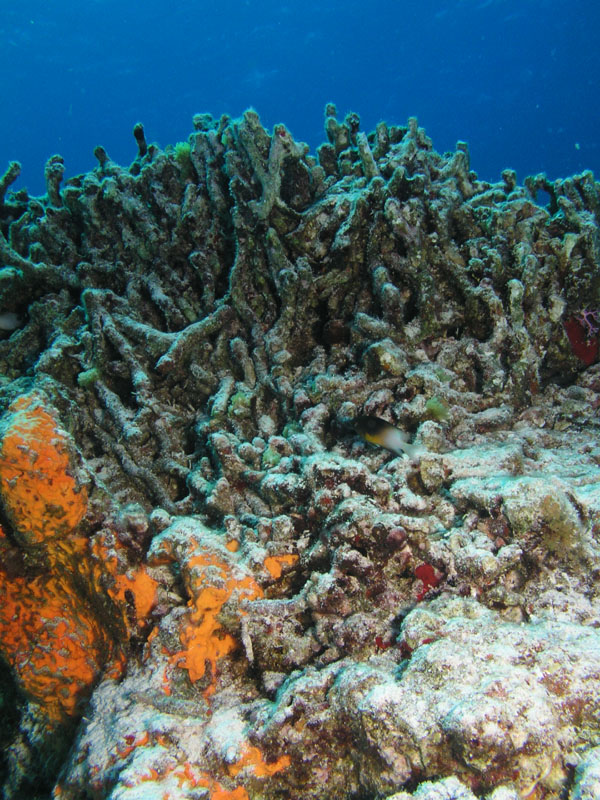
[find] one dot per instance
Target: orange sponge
(52, 640)
(211, 582)
(51, 632)
(37, 488)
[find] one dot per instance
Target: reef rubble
(210, 585)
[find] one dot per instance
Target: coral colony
(299, 474)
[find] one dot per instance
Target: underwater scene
(300, 400)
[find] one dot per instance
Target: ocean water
(519, 80)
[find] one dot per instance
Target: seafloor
(211, 585)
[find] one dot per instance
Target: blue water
(518, 79)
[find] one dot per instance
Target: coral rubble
(210, 585)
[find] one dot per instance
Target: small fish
(377, 431)
(9, 321)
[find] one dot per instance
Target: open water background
(518, 79)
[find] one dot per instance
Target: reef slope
(210, 585)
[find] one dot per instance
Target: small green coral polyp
(270, 458)
(88, 377)
(182, 152)
(436, 409)
(239, 405)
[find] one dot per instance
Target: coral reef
(211, 586)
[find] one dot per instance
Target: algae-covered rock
(587, 776)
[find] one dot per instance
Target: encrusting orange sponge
(211, 582)
(38, 491)
(53, 641)
(212, 575)
(51, 632)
